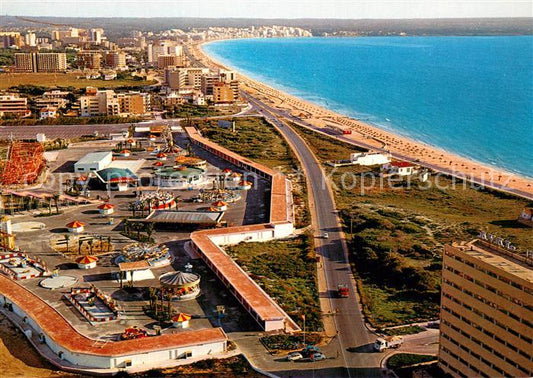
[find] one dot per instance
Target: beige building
(114, 104)
(116, 60)
(10, 39)
(89, 60)
(225, 93)
(486, 311)
(165, 61)
(25, 62)
(185, 78)
(40, 62)
(13, 104)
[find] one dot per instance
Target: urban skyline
(399, 9)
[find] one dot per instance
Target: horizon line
(278, 18)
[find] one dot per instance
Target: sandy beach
(18, 358)
(368, 135)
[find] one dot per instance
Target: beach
(369, 136)
(18, 358)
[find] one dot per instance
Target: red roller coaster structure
(23, 164)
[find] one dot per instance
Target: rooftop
(185, 217)
(509, 262)
(94, 157)
(63, 333)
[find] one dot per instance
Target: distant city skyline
(343, 9)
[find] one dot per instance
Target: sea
(472, 96)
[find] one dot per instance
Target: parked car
(317, 357)
(294, 356)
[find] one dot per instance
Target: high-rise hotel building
(486, 325)
(40, 62)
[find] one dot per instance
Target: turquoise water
(468, 95)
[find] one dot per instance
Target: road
(285, 114)
(349, 321)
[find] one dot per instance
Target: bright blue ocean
(468, 95)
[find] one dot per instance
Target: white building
(369, 158)
(58, 341)
(93, 161)
(48, 112)
(400, 168)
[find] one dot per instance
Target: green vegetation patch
(290, 342)
(286, 270)
(398, 230)
(407, 330)
(257, 140)
(52, 80)
(406, 359)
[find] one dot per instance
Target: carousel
(183, 286)
(155, 255)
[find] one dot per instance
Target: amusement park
(100, 231)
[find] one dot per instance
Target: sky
(351, 9)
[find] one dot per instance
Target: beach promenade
(368, 136)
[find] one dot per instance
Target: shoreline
(371, 136)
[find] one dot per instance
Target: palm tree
(108, 243)
(56, 201)
(133, 208)
(50, 206)
(127, 226)
(90, 242)
(67, 239)
(149, 229)
(80, 244)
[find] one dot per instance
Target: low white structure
(56, 339)
(93, 161)
(369, 158)
(400, 168)
(86, 262)
(76, 227)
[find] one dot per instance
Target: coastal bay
(404, 146)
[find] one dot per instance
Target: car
(325, 235)
(294, 356)
(317, 357)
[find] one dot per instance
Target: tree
(67, 239)
(108, 243)
(149, 229)
(90, 242)
(80, 244)
(56, 202)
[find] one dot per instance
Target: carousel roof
(106, 206)
(245, 183)
(179, 278)
(125, 152)
(161, 154)
(236, 174)
(75, 224)
(86, 259)
(158, 163)
(226, 170)
(220, 203)
(181, 317)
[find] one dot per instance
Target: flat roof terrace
(279, 204)
(258, 303)
(61, 331)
